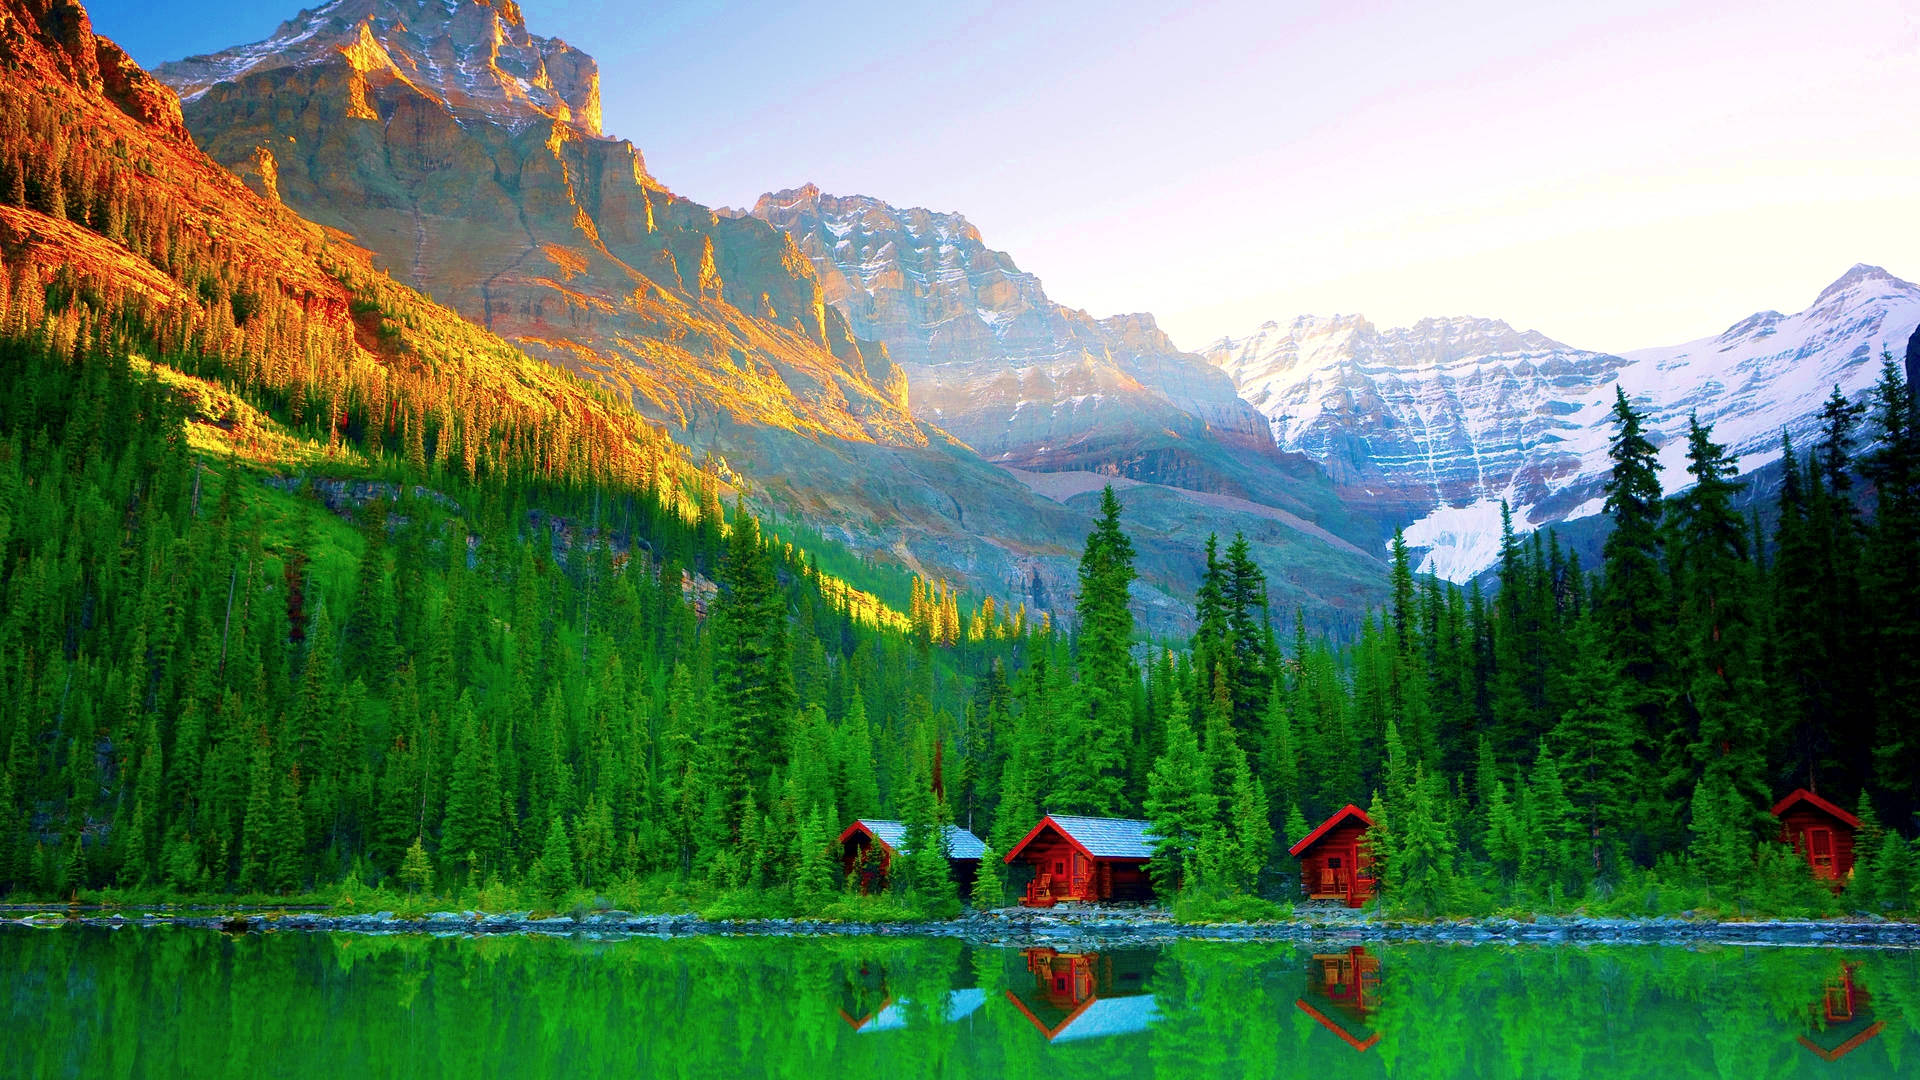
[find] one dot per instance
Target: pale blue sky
(1615, 175)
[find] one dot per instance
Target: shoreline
(1016, 927)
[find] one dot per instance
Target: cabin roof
(1802, 795)
(1100, 838)
(961, 844)
(893, 1015)
(1327, 826)
(1109, 1016)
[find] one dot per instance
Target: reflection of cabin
(1333, 860)
(1820, 831)
(1084, 859)
(868, 846)
(1844, 1017)
(867, 1005)
(1346, 986)
(1086, 995)
(896, 1013)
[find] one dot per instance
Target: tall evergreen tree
(1105, 719)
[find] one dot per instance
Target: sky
(1615, 175)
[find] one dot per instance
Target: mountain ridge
(715, 324)
(1435, 428)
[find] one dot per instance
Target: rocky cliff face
(1028, 382)
(1433, 425)
(53, 40)
(467, 154)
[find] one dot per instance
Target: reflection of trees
(192, 1003)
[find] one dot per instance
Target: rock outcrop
(54, 40)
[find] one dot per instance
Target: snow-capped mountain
(1434, 425)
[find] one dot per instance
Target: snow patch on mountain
(1436, 423)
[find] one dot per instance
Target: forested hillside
(309, 587)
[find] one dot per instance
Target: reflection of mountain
(1087, 995)
(1342, 989)
(1844, 1018)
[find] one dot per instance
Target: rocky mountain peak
(1857, 276)
(474, 56)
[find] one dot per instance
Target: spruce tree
(1107, 679)
(990, 883)
(1634, 605)
(1719, 638)
(1180, 804)
(1594, 742)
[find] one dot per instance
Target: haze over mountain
(1435, 424)
(465, 151)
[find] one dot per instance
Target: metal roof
(1108, 838)
(961, 844)
(1109, 1016)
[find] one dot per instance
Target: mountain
(466, 153)
(1433, 425)
(988, 356)
(282, 338)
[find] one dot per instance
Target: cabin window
(1059, 867)
(1333, 863)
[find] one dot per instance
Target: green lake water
(190, 1003)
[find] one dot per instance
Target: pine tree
(1722, 846)
(552, 874)
(1893, 560)
(1251, 832)
(416, 872)
(472, 829)
(1634, 603)
(814, 881)
(1107, 679)
(1180, 803)
(1595, 745)
(1714, 585)
(989, 884)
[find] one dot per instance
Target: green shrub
(1204, 905)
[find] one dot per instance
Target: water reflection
(200, 1004)
(1843, 1017)
(868, 1006)
(1342, 989)
(1085, 995)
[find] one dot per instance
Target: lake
(193, 1003)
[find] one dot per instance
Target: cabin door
(1820, 851)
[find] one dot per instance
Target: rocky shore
(1092, 927)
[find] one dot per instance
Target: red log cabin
(1085, 860)
(1333, 859)
(1821, 832)
(868, 846)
